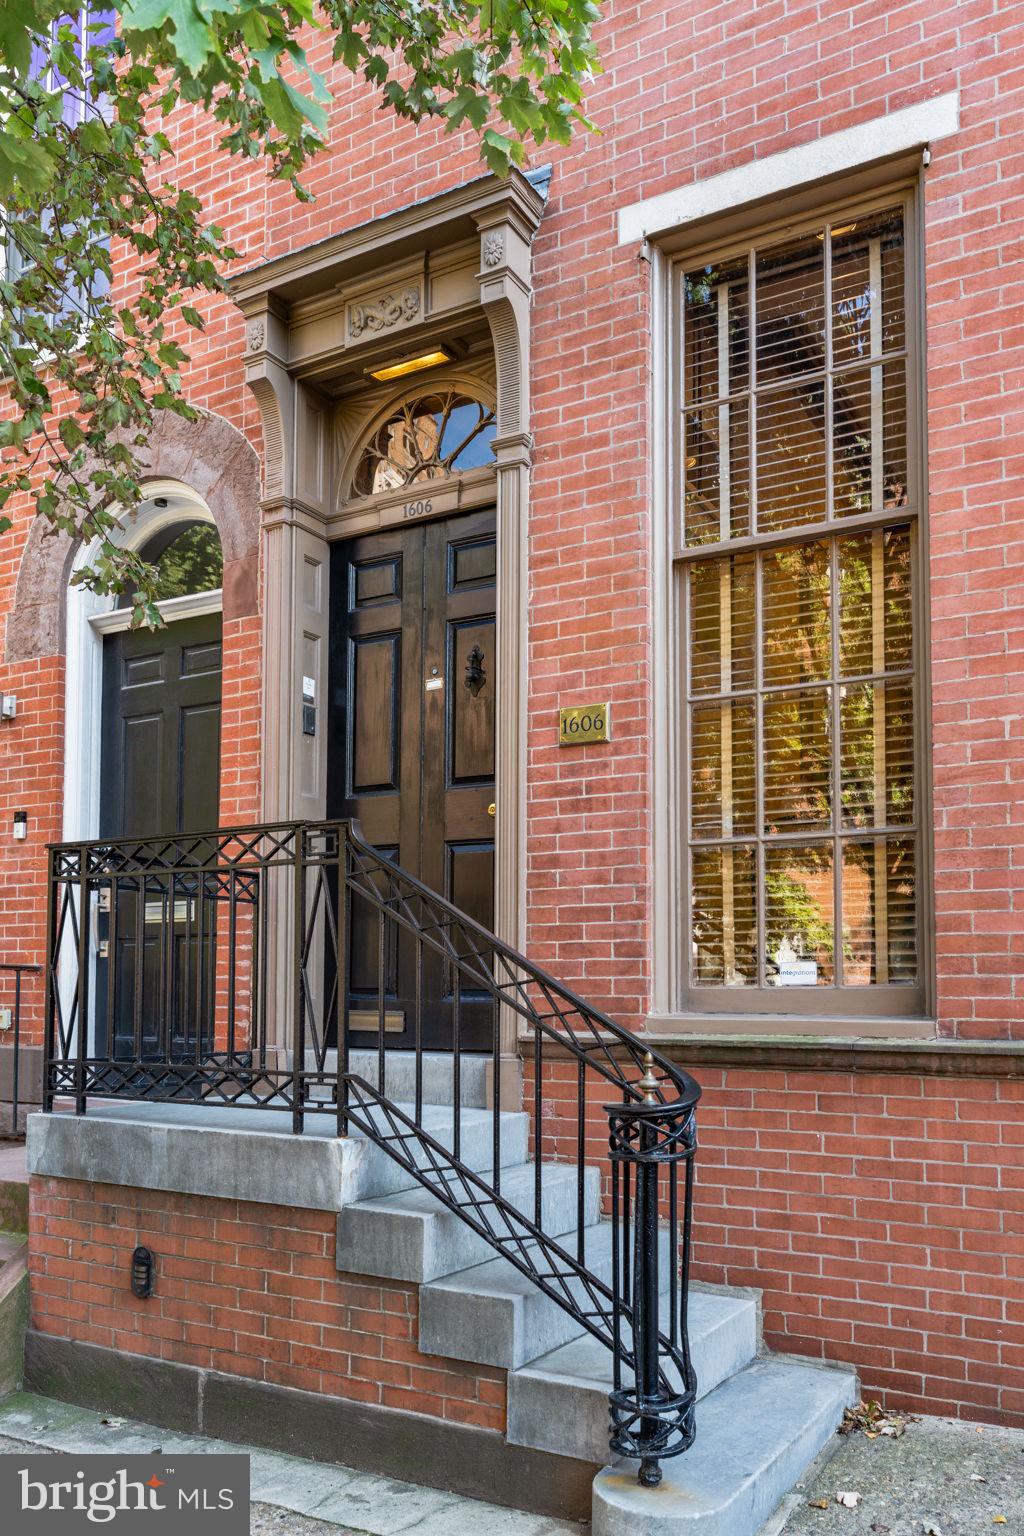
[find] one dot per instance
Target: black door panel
(159, 774)
(411, 746)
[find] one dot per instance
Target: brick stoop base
(309, 1294)
(252, 1334)
(409, 1446)
(250, 1290)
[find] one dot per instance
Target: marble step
(238, 1153)
(559, 1402)
(400, 1075)
(378, 1175)
(413, 1236)
(494, 1315)
(757, 1434)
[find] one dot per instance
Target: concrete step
(412, 1236)
(493, 1315)
(756, 1434)
(376, 1174)
(400, 1075)
(237, 1153)
(559, 1403)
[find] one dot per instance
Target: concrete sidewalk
(941, 1476)
(290, 1497)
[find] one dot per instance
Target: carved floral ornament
(494, 248)
(383, 311)
(257, 335)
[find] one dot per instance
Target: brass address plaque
(584, 723)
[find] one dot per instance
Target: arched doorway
(142, 722)
(413, 685)
(144, 735)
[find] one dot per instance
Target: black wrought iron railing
(14, 976)
(239, 966)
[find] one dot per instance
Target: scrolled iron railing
(170, 958)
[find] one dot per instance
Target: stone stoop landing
(761, 1419)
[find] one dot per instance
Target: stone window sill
(789, 1026)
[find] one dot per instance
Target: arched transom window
(187, 557)
(426, 438)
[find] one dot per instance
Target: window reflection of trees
(801, 737)
(426, 438)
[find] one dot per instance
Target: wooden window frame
(827, 1009)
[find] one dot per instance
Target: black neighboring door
(411, 747)
(159, 774)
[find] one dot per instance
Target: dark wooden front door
(159, 774)
(411, 749)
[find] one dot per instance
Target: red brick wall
(240, 721)
(882, 1217)
(31, 780)
(251, 1290)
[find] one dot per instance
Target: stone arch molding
(208, 455)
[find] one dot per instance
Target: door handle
(492, 809)
(475, 676)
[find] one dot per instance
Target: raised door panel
(138, 810)
(374, 692)
(198, 749)
(471, 703)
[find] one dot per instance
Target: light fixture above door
(411, 363)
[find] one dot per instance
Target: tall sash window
(798, 507)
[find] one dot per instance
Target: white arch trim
(89, 618)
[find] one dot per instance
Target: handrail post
(82, 1011)
(342, 974)
(653, 1402)
(49, 982)
(645, 1304)
(299, 1021)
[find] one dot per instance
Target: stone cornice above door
(444, 220)
(454, 270)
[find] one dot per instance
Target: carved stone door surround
(454, 266)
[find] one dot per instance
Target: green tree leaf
(74, 186)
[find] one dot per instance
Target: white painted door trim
(89, 619)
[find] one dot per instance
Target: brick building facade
(861, 1160)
